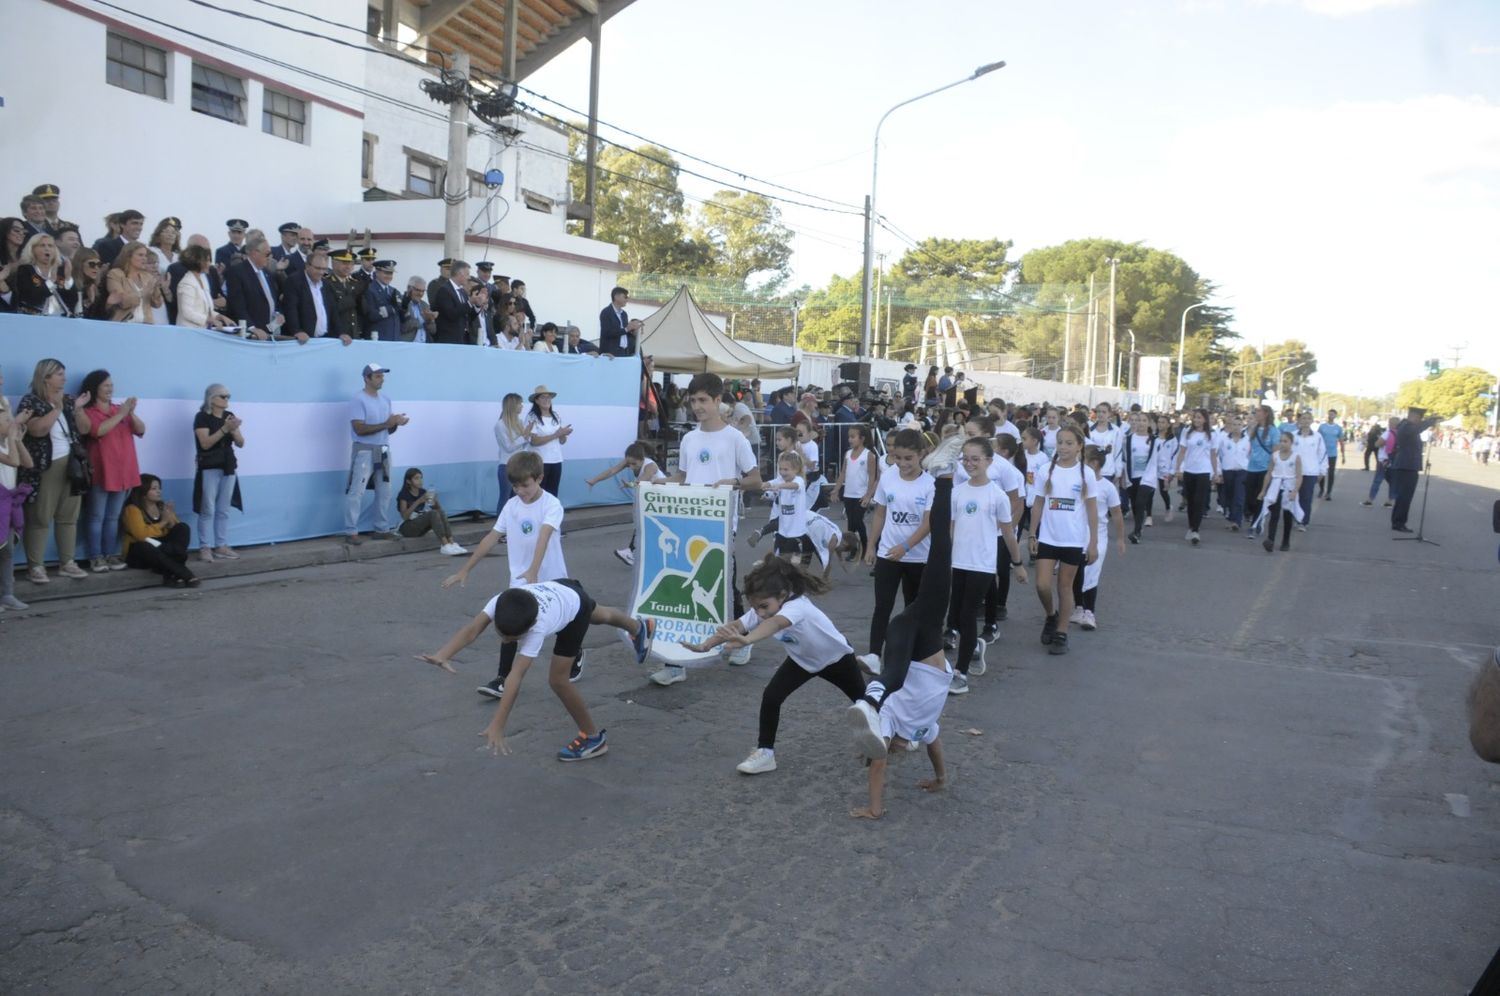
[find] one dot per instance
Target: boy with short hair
(529, 521)
(524, 616)
(714, 454)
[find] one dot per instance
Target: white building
(210, 113)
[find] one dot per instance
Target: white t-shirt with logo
(1064, 509)
(905, 503)
(978, 513)
(1049, 439)
(557, 605)
(1314, 454)
(1166, 458)
(791, 509)
(913, 710)
(709, 456)
(520, 523)
(1234, 454)
(1037, 465)
(1002, 472)
(825, 534)
(812, 640)
(1196, 447)
(551, 451)
(1108, 436)
(1109, 497)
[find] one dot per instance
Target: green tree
(829, 317)
(639, 207)
(747, 239)
(975, 262)
(1455, 391)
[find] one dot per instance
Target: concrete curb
(290, 556)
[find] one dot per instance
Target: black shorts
(569, 640)
(794, 544)
(1070, 555)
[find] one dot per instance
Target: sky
(1333, 166)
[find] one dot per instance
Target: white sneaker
(1194, 537)
(670, 675)
(944, 456)
(759, 762)
(1301, 528)
(1148, 521)
(870, 662)
(1077, 616)
(864, 721)
(976, 664)
(739, 656)
(626, 556)
(1088, 620)
(452, 550)
(959, 685)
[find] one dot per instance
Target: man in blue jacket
(383, 303)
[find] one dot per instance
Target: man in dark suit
(108, 247)
(450, 299)
(383, 304)
(34, 216)
(617, 330)
(235, 247)
(1406, 466)
(250, 289)
(309, 304)
(482, 325)
(574, 343)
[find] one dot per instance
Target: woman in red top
(111, 442)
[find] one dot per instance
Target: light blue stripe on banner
(172, 362)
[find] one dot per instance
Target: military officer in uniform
(383, 303)
(288, 256)
(51, 195)
(346, 294)
(235, 247)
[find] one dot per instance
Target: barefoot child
(524, 616)
(901, 707)
(781, 610)
(643, 468)
(529, 522)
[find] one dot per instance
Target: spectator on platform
(450, 299)
(111, 434)
(34, 215)
(235, 247)
(52, 424)
(421, 512)
(511, 438)
(547, 436)
(546, 341)
(177, 270)
(12, 241)
(371, 424)
(155, 540)
(346, 292)
(68, 240)
(513, 331)
(576, 345)
(216, 484)
(130, 224)
(416, 317)
(134, 286)
(482, 332)
(617, 330)
(250, 290)
(288, 256)
(44, 280)
(51, 195)
(523, 306)
(195, 297)
(308, 300)
(88, 280)
(383, 308)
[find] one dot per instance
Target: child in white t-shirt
(642, 468)
(717, 455)
(1086, 581)
(531, 524)
(792, 540)
(786, 442)
(1064, 516)
(524, 616)
(780, 609)
(807, 445)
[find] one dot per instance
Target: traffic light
(1434, 367)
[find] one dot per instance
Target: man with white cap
(371, 423)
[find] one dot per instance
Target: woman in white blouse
(195, 304)
(165, 246)
(546, 338)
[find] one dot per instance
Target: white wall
(110, 148)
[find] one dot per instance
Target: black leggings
(997, 594)
(1253, 480)
(1325, 485)
(1286, 521)
(169, 560)
(854, 522)
(551, 478)
(1166, 497)
(1195, 493)
(1140, 503)
(917, 633)
(969, 589)
(844, 674)
(1084, 599)
(890, 575)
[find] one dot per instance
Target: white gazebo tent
(680, 339)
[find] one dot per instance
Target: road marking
(1262, 602)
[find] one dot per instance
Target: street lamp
(864, 303)
(1281, 378)
(1182, 342)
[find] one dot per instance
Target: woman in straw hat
(547, 436)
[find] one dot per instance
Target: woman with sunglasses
(216, 486)
(12, 239)
(44, 281)
(166, 246)
(88, 280)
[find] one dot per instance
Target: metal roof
(544, 29)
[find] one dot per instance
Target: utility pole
(875, 321)
(887, 352)
(1067, 337)
(591, 153)
(1114, 264)
(456, 187)
(1089, 357)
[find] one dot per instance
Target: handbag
(80, 470)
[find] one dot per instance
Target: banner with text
(683, 577)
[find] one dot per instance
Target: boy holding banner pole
(714, 454)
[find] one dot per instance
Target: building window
(537, 202)
(218, 95)
(424, 177)
(285, 117)
(367, 160)
(133, 66)
(478, 188)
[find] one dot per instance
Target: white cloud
(1344, 8)
(1478, 49)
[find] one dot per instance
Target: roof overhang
(544, 29)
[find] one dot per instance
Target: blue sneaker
(582, 748)
(641, 642)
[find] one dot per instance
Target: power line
(309, 33)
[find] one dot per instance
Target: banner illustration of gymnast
(682, 565)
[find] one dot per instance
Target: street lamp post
(1281, 379)
(1114, 264)
(1182, 342)
(1131, 379)
(864, 306)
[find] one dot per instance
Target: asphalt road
(1254, 778)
